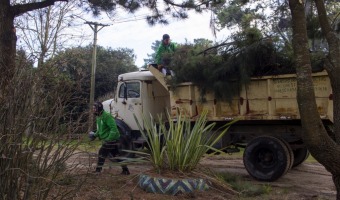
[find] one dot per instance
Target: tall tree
(151, 57)
(76, 64)
(323, 147)
(45, 31)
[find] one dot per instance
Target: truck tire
(300, 155)
(266, 158)
(125, 143)
(290, 150)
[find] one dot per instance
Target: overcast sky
(139, 36)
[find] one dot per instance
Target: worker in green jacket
(108, 133)
(166, 47)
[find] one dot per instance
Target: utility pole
(96, 27)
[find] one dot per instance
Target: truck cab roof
(139, 75)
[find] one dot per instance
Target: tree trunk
(332, 63)
(336, 180)
(321, 146)
(7, 45)
(7, 64)
(7, 71)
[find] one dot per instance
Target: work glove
(92, 136)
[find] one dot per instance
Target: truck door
(129, 102)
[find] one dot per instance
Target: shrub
(179, 145)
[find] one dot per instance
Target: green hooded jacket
(106, 127)
(170, 48)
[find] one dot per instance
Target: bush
(179, 144)
(33, 134)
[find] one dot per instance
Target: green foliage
(157, 14)
(34, 131)
(239, 13)
(72, 69)
(152, 57)
(153, 136)
(76, 64)
(186, 144)
(180, 144)
(225, 69)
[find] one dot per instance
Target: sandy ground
(307, 181)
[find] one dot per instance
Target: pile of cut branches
(225, 68)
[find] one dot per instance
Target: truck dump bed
(264, 98)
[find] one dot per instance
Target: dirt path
(307, 181)
(310, 180)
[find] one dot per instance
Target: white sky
(139, 36)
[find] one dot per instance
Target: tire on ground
(300, 155)
(266, 158)
(291, 153)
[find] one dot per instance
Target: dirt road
(307, 181)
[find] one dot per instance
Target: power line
(131, 20)
(135, 16)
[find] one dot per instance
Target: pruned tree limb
(215, 47)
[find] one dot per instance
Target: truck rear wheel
(290, 151)
(300, 155)
(267, 158)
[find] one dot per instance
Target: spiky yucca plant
(179, 145)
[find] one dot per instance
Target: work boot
(97, 171)
(125, 170)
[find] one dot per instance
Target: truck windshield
(132, 88)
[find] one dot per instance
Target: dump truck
(268, 126)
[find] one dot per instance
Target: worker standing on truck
(108, 133)
(166, 47)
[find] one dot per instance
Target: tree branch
(322, 13)
(184, 5)
(215, 47)
(20, 9)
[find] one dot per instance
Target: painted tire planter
(171, 186)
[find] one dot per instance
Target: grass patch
(311, 159)
(245, 188)
(86, 145)
(237, 154)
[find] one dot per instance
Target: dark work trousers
(108, 149)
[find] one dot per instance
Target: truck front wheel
(267, 158)
(125, 143)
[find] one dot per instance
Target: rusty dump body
(265, 98)
(267, 106)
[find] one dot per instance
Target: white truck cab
(137, 93)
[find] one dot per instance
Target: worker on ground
(166, 47)
(108, 133)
